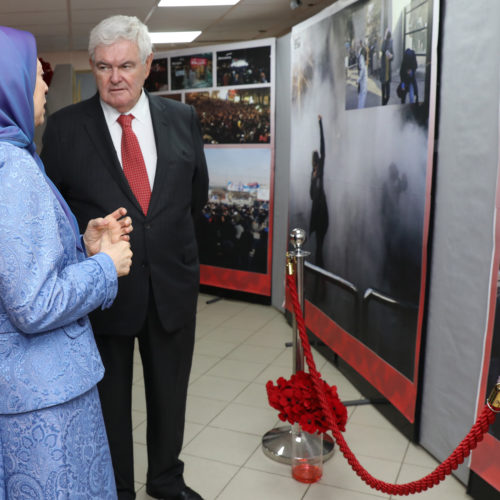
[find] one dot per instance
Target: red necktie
(134, 167)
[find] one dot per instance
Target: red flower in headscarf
(48, 72)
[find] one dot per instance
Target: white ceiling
(64, 25)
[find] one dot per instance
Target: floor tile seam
(196, 434)
(193, 378)
(219, 400)
(305, 493)
(239, 329)
(281, 474)
(388, 427)
(227, 377)
(214, 417)
(221, 428)
(379, 427)
(243, 466)
(241, 380)
(238, 344)
(236, 396)
(222, 357)
(266, 364)
(363, 492)
(232, 314)
(193, 455)
(227, 483)
(263, 324)
(361, 456)
(265, 346)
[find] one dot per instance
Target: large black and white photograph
(387, 50)
(358, 185)
(234, 229)
(234, 116)
(244, 66)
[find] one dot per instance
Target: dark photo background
(494, 364)
(158, 77)
(244, 66)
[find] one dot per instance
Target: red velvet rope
(484, 420)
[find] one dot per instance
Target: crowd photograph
(233, 116)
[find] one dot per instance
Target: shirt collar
(140, 110)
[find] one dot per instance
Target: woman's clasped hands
(110, 235)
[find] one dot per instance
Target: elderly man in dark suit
(126, 148)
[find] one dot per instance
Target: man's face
(120, 74)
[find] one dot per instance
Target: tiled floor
(239, 347)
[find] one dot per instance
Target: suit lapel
(162, 139)
(97, 129)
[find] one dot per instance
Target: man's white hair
(115, 28)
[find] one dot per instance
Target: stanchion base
(277, 445)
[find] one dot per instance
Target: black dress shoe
(186, 494)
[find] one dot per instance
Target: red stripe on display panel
(400, 391)
(232, 279)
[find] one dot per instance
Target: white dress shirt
(142, 125)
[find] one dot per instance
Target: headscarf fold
(18, 72)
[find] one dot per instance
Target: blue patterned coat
(47, 288)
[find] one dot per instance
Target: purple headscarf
(18, 60)
(17, 84)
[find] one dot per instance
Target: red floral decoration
(297, 402)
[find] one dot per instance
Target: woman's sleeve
(38, 291)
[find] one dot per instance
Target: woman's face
(39, 95)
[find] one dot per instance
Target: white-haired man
(126, 148)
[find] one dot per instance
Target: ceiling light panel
(174, 36)
(195, 3)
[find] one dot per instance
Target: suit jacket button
(148, 226)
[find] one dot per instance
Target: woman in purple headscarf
(52, 438)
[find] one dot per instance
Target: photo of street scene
(387, 51)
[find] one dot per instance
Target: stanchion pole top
(297, 239)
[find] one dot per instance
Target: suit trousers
(166, 360)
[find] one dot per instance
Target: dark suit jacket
(79, 157)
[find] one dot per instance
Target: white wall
(464, 199)
(281, 168)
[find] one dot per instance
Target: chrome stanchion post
(277, 443)
(298, 238)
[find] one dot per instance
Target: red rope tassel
(476, 434)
